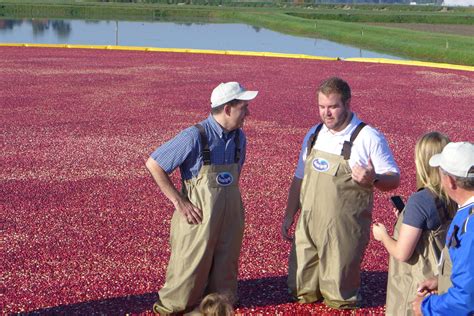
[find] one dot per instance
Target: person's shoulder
(422, 195)
(371, 132)
(372, 139)
(190, 136)
(422, 199)
(309, 133)
(191, 131)
(467, 215)
(420, 210)
(312, 129)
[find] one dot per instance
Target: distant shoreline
(374, 29)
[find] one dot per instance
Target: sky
(458, 2)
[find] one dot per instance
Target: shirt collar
(469, 201)
(352, 124)
(217, 128)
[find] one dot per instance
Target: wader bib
(444, 270)
(404, 277)
(204, 257)
(446, 265)
(332, 231)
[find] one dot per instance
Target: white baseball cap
(229, 91)
(456, 159)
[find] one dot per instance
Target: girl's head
(428, 177)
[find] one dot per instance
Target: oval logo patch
(224, 178)
(320, 164)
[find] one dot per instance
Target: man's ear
(227, 109)
(348, 103)
(451, 182)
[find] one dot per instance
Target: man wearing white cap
(207, 226)
(452, 292)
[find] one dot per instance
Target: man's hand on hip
(192, 214)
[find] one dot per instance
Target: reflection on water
(39, 26)
(220, 36)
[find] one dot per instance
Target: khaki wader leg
(292, 264)
(188, 268)
(341, 256)
(303, 275)
(223, 274)
(204, 257)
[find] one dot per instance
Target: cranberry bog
(85, 229)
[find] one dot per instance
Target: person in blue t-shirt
(420, 230)
(452, 291)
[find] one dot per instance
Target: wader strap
(444, 217)
(206, 153)
(237, 146)
(346, 147)
(312, 139)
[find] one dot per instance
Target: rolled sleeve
(382, 157)
(299, 172)
(174, 152)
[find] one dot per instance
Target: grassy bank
(311, 22)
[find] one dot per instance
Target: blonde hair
(426, 176)
(215, 304)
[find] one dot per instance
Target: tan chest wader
(332, 231)
(204, 257)
(446, 265)
(404, 277)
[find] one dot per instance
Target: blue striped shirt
(184, 150)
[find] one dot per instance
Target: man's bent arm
(367, 177)
(292, 206)
(192, 213)
(387, 181)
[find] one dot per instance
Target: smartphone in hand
(397, 202)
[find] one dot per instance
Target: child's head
(215, 304)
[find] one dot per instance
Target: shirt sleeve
(299, 173)
(459, 299)
(382, 156)
(421, 212)
(174, 152)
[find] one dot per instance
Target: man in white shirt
(341, 161)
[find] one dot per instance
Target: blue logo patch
(224, 178)
(320, 164)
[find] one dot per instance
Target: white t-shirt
(369, 143)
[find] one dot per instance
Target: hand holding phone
(397, 202)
